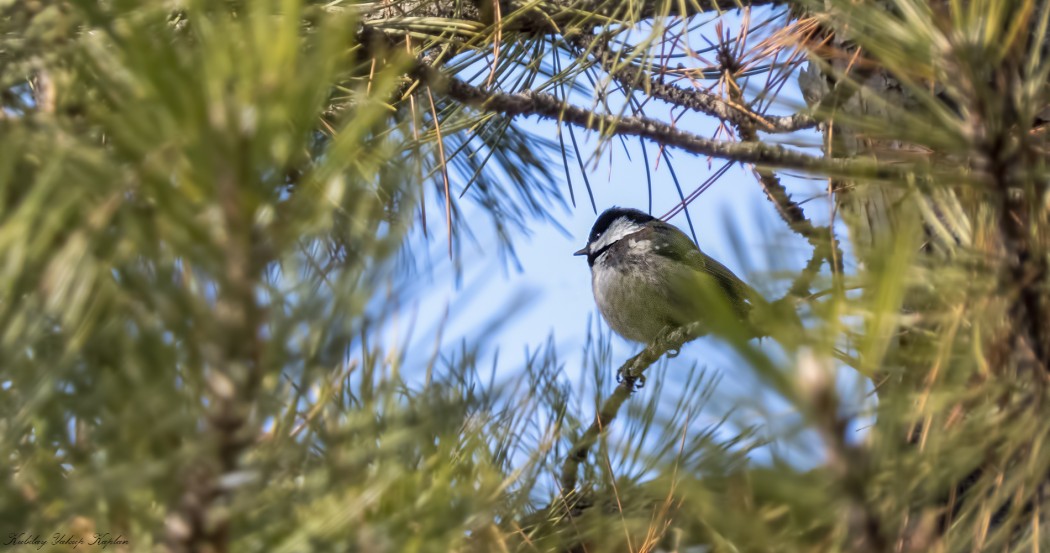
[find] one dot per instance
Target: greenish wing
(680, 247)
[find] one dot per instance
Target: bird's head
(613, 225)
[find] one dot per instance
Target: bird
(649, 277)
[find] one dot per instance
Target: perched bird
(648, 277)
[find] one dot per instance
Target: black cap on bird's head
(607, 218)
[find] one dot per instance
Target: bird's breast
(632, 294)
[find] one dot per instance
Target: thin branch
(789, 210)
(631, 374)
(548, 107)
(548, 17)
(578, 454)
(695, 99)
(234, 374)
(800, 286)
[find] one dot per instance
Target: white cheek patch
(619, 229)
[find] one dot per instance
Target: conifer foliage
(208, 212)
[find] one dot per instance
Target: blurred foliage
(208, 210)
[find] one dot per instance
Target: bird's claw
(673, 352)
(637, 381)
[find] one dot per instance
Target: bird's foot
(623, 376)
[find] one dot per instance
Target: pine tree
(204, 207)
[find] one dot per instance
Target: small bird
(649, 277)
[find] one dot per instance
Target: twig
(695, 99)
(200, 521)
(548, 17)
(789, 210)
(631, 373)
(800, 286)
(549, 107)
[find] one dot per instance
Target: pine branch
(235, 372)
(630, 77)
(820, 238)
(554, 15)
(631, 376)
(548, 107)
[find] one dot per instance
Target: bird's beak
(582, 251)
